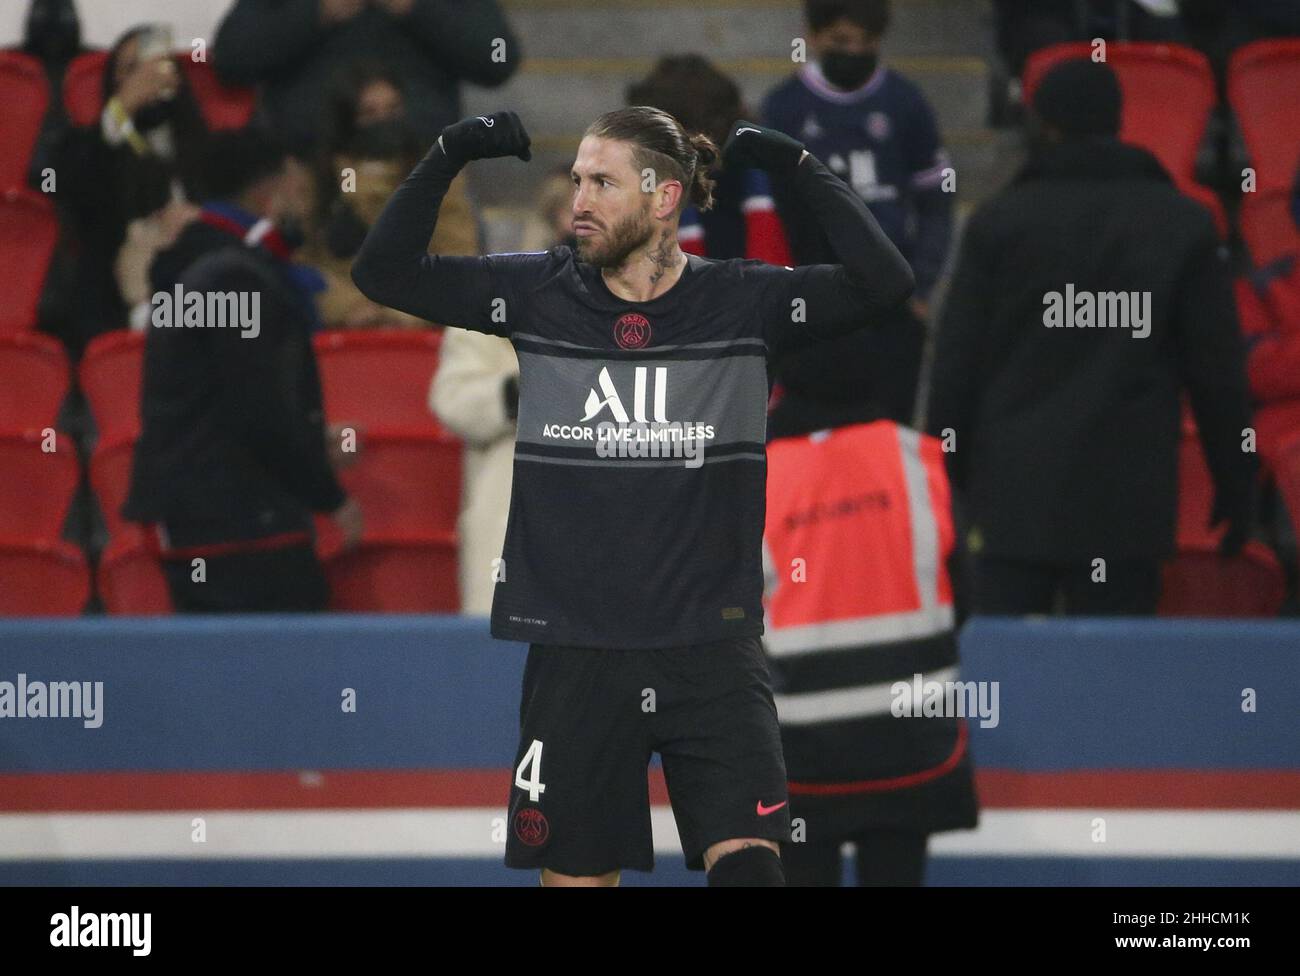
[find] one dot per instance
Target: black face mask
(154, 114)
(848, 71)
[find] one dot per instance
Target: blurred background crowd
(991, 140)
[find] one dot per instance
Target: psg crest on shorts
(632, 331)
(531, 827)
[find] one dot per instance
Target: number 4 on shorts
(533, 781)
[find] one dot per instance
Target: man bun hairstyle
(659, 143)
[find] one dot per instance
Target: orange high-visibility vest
(859, 529)
(858, 598)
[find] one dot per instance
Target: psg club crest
(878, 125)
(531, 827)
(632, 331)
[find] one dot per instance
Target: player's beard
(612, 249)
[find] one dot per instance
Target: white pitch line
(479, 832)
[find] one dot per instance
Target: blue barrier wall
(1089, 713)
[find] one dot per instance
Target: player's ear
(673, 191)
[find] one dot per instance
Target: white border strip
(479, 832)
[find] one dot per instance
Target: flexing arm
(821, 301)
(394, 267)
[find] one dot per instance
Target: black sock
(749, 867)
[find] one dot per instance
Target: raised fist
(485, 137)
(753, 146)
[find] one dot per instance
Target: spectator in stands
(475, 393)
(142, 161)
(233, 459)
(1064, 436)
(742, 222)
(296, 50)
(859, 532)
(876, 131)
(367, 149)
(53, 36)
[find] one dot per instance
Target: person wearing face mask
(234, 456)
(875, 130)
(126, 182)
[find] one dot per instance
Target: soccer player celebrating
(633, 555)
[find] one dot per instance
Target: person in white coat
(475, 394)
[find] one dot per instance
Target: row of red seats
(1169, 95)
(407, 477)
(24, 91)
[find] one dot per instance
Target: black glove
(755, 146)
(485, 137)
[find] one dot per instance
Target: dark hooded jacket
(1066, 439)
(233, 438)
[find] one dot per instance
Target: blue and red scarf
(262, 232)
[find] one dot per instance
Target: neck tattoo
(664, 257)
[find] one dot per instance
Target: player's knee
(553, 879)
(756, 864)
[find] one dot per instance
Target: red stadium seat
(396, 575)
(110, 376)
(222, 107)
(25, 95)
(34, 379)
(36, 487)
(1201, 583)
(83, 88)
(407, 481)
(380, 377)
(1263, 82)
(29, 230)
(110, 479)
(1169, 94)
(130, 577)
(42, 579)
(1267, 226)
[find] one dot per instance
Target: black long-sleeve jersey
(637, 508)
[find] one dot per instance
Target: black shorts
(590, 719)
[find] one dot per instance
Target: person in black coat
(233, 460)
(1064, 437)
(295, 49)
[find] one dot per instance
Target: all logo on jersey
(633, 423)
(632, 331)
(608, 396)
